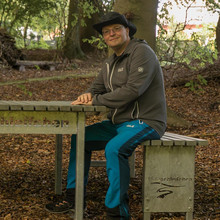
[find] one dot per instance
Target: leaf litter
(27, 161)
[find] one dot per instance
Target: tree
(19, 11)
(92, 10)
(80, 14)
(143, 13)
(214, 6)
(218, 36)
(71, 48)
(17, 14)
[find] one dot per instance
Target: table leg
(146, 216)
(189, 216)
(58, 164)
(79, 197)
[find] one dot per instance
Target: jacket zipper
(110, 83)
(110, 77)
(136, 107)
(108, 70)
(132, 112)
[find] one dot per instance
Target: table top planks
(168, 139)
(64, 106)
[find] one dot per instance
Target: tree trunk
(87, 32)
(218, 36)
(143, 13)
(71, 46)
(8, 51)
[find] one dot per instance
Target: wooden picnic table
(168, 165)
(51, 117)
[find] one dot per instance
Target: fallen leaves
(27, 161)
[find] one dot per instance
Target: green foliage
(31, 44)
(103, 6)
(174, 46)
(96, 42)
(213, 5)
(19, 43)
(59, 41)
(42, 16)
(196, 86)
(25, 90)
(17, 12)
(37, 67)
(88, 8)
(46, 17)
(38, 44)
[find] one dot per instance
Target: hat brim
(132, 29)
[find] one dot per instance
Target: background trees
(71, 44)
(68, 23)
(214, 6)
(17, 16)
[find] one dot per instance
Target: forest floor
(27, 161)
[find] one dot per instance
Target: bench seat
(23, 63)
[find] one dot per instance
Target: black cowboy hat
(115, 18)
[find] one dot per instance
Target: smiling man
(117, 37)
(131, 85)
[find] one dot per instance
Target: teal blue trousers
(119, 141)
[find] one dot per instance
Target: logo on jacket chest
(140, 69)
(121, 69)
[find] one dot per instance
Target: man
(131, 85)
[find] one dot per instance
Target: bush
(195, 52)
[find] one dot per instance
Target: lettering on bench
(167, 185)
(165, 189)
(178, 179)
(34, 123)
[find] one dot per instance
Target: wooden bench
(168, 174)
(23, 63)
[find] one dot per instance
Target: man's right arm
(98, 86)
(84, 99)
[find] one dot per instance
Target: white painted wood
(79, 196)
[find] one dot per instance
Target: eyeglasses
(116, 29)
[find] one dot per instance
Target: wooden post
(80, 145)
(189, 215)
(58, 164)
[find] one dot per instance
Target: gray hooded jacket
(132, 86)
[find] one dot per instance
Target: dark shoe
(64, 203)
(60, 207)
(116, 218)
(112, 218)
(115, 214)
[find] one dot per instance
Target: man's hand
(84, 99)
